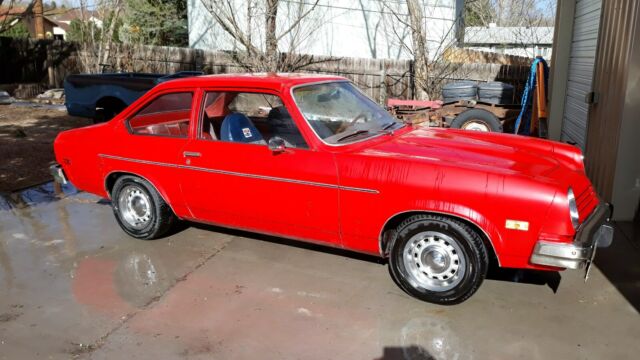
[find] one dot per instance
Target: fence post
(50, 72)
(412, 80)
(383, 83)
(199, 60)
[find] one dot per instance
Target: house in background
(343, 28)
(520, 41)
(20, 16)
(64, 18)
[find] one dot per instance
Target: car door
(151, 144)
(231, 177)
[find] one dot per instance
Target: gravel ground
(26, 138)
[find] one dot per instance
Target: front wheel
(139, 209)
(438, 259)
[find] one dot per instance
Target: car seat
(238, 127)
(281, 124)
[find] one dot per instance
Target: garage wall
(613, 141)
(584, 46)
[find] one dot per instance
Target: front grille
(587, 200)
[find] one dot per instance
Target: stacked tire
(495, 92)
(460, 90)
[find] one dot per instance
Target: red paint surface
(483, 178)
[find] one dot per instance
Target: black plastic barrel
(495, 92)
(460, 90)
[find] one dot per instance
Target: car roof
(264, 80)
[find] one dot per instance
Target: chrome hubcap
(475, 125)
(434, 261)
(134, 206)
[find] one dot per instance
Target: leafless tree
(371, 27)
(524, 12)
(7, 19)
(97, 30)
(419, 48)
(432, 69)
(285, 22)
(385, 36)
(521, 20)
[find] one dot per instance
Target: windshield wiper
(388, 125)
(386, 129)
(355, 133)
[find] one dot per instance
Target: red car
(312, 158)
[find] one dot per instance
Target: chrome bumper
(595, 232)
(58, 174)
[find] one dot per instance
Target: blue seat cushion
(238, 127)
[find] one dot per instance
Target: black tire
(472, 253)
(477, 116)
(160, 216)
(460, 90)
(107, 110)
(495, 92)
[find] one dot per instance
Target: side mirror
(277, 145)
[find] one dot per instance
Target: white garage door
(581, 66)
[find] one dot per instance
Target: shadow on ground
(620, 263)
(532, 277)
(413, 352)
(288, 242)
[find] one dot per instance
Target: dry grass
(26, 143)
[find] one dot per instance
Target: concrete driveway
(72, 284)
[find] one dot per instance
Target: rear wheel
(477, 120)
(438, 259)
(107, 109)
(139, 209)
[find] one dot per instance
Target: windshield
(339, 113)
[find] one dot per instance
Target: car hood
(501, 153)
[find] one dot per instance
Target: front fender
(457, 211)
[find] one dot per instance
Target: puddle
(39, 194)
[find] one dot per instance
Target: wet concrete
(43, 193)
(73, 285)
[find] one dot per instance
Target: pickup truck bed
(103, 96)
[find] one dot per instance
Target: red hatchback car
(312, 158)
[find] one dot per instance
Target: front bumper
(596, 231)
(58, 174)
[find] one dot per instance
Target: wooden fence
(48, 62)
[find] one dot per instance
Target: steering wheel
(343, 127)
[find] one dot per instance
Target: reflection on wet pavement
(36, 195)
(68, 275)
(72, 284)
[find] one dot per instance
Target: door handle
(191, 154)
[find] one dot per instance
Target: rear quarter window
(167, 115)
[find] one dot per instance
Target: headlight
(573, 209)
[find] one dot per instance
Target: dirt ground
(26, 143)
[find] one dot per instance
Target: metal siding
(618, 28)
(581, 67)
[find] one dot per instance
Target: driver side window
(250, 118)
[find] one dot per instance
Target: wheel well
(110, 101)
(111, 179)
(388, 232)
